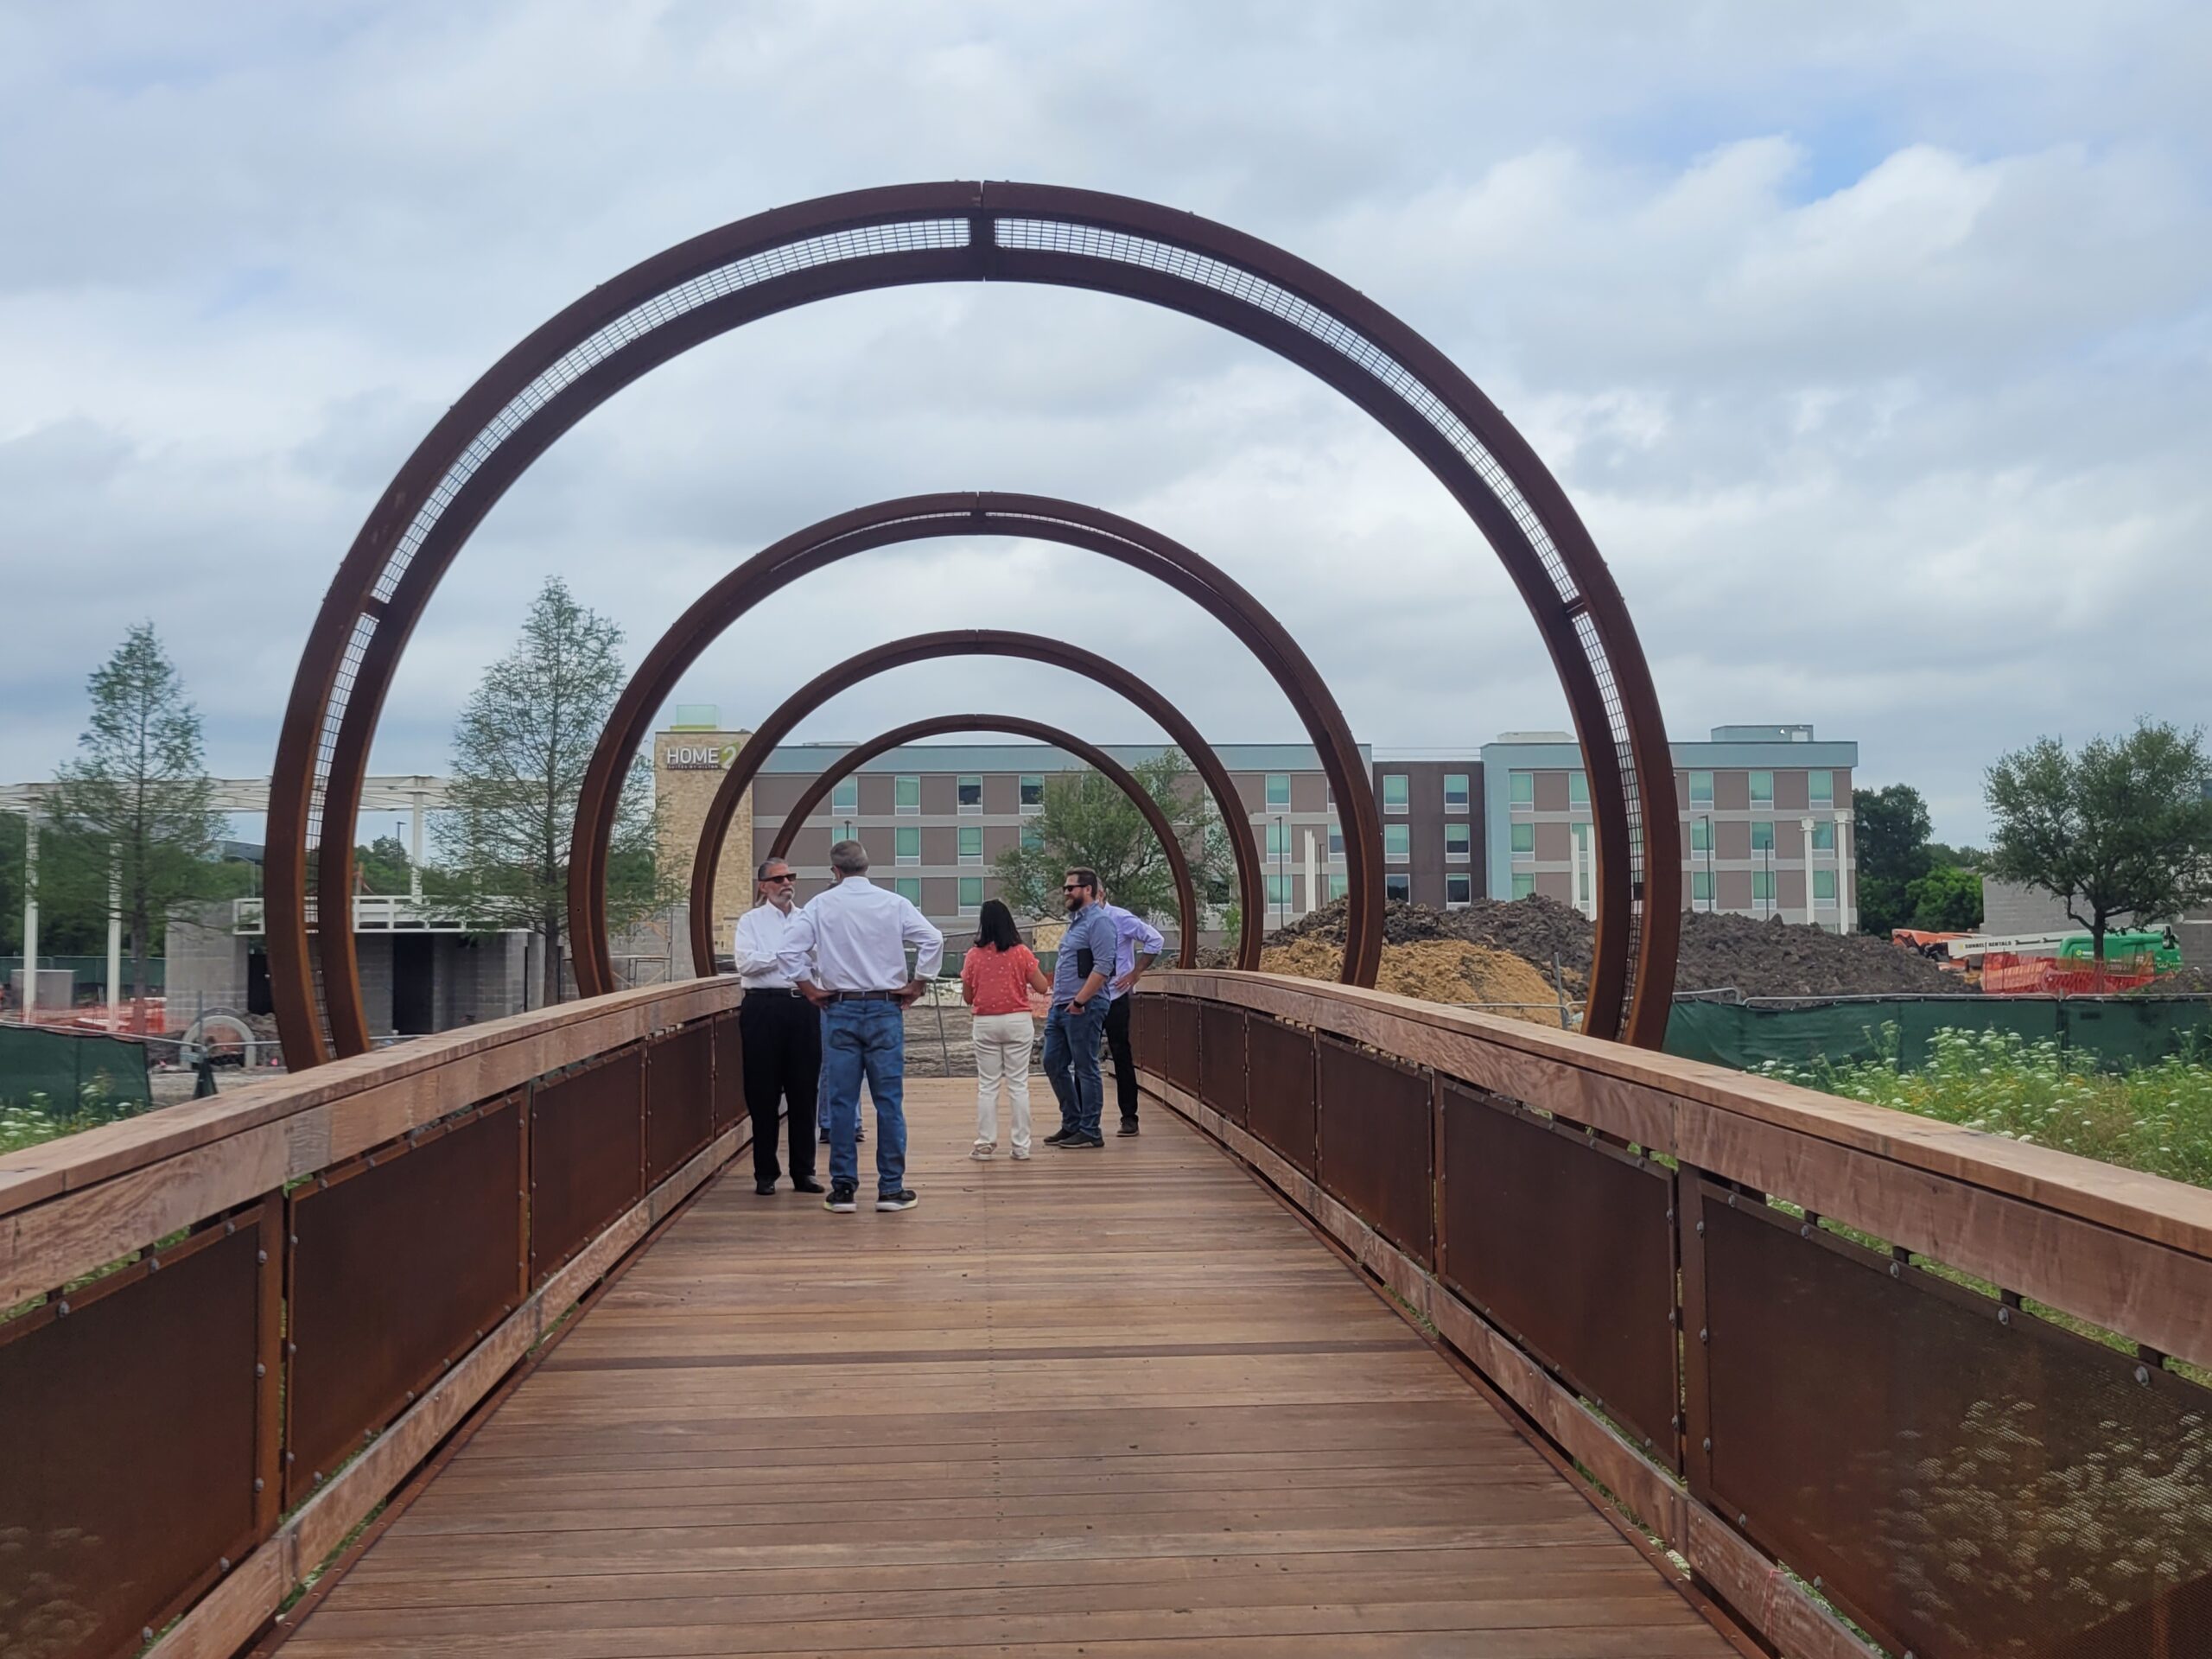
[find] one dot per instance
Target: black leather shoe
(807, 1184)
(764, 1188)
(1128, 1127)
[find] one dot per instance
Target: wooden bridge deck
(1119, 1401)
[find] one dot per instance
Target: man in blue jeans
(1078, 1016)
(847, 953)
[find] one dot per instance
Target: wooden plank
(1121, 1397)
(231, 1614)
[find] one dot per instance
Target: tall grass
(2157, 1118)
(43, 1117)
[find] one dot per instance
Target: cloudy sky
(1871, 342)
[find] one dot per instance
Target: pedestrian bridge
(1400, 1331)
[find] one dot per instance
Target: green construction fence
(2119, 1031)
(56, 1068)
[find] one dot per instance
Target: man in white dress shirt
(782, 1035)
(847, 953)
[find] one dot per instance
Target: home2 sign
(715, 757)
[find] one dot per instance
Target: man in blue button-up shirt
(1078, 1015)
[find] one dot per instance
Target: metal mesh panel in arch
(1183, 1044)
(1221, 1058)
(1279, 1088)
(586, 1154)
(679, 1097)
(398, 1262)
(1962, 1479)
(128, 1445)
(1374, 1144)
(1568, 1245)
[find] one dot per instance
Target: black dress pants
(1125, 1066)
(782, 1037)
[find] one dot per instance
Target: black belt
(772, 990)
(863, 996)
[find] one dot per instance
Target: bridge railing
(229, 1330)
(1839, 1359)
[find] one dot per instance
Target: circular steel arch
(917, 518)
(968, 642)
(1178, 861)
(968, 232)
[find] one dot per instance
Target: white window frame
(899, 806)
(1465, 877)
(967, 909)
(1406, 805)
(1524, 884)
(1403, 857)
(1466, 791)
(1404, 882)
(961, 834)
(1335, 841)
(1528, 852)
(1268, 791)
(1705, 800)
(1828, 898)
(1466, 853)
(900, 884)
(1812, 799)
(960, 782)
(841, 804)
(1751, 787)
(1513, 786)
(1023, 782)
(902, 861)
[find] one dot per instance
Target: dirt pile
(1718, 952)
(1440, 971)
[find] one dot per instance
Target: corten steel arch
(968, 232)
(967, 513)
(968, 642)
(1178, 862)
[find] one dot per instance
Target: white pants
(1002, 1046)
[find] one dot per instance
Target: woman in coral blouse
(996, 977)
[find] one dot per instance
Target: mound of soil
(1438, 970)
(1718, 952)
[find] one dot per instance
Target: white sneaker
(1021, 1155)
(982, 1151)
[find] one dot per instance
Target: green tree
(1086, 820)
(2122, 829)
(136, 807)
(519, 753)
(1889, 828)
(1947, 899)
(383, 867)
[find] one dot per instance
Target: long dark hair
(995, 928)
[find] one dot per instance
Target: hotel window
(1701, 887)
(1578, 789)
(906, 794)
(1395, 795)
(1455, 792)
(1821, 787)
(1032, 792)
(1763, 836)
(1700, 835)
(1334, 887)
(909, 846)
(1523, 788)
(909, 887)
(1398, 888)
(971, 794)
(971, 894)
(1278, 792)
(1524, 840)
(1824, 835)
(1033, 838)
(1336, 840)
(1277, 838)
(1762, 886)
(1762, 789)
(1700, 789)
(1397, 844)
(1459, 891)
(845, 796)
(972, 843)
(1459, 843)
(1824, 886)
(1279, 891)
(1524, 886)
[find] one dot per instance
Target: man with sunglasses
(1078, 1018)
(781, 1032)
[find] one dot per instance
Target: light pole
(1281, 839)
(1712, 891)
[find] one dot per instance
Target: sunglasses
(779, 878)
(1075, 887)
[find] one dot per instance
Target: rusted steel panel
(1374, 1144)
(1183, 1043)
(399, 1264)
(1148, 1033)
(729, 1071)
(679, 1097)
(587, 1155)
(1567, 1244)
(128, 1445)
(1279, 1067)
(1221, 1059)
(1961, 1477)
